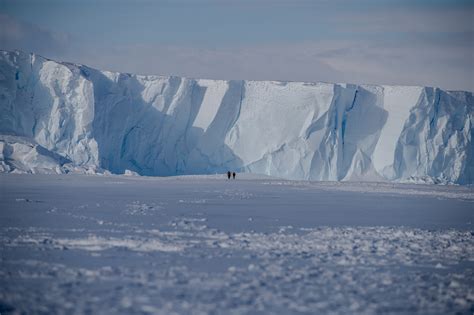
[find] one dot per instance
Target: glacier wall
(93, 120)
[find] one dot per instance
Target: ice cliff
(60, 117)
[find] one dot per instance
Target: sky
(417, 42)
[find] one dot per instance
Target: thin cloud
(441, 62)
(419, 20)
(15, 34)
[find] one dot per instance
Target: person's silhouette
(228, 175)
(233, 175)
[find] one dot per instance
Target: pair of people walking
(229, 174)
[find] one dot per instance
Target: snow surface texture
(73, 118)
(206, 245)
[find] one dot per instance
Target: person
(228, 174)
(233, 175)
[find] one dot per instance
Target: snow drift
(58, 117)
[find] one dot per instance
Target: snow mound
(130, 173)
(24, 156)
(161, 126)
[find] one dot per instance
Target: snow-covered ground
(207, 245)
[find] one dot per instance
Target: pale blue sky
(391, 42)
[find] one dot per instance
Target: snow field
(205, 244)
